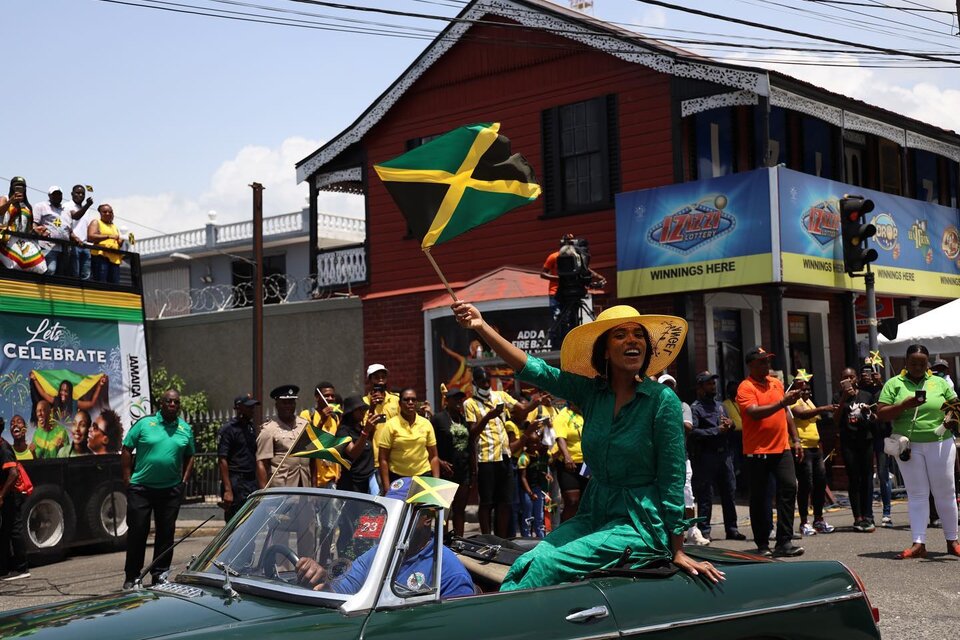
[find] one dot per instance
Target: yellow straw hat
(667, 334)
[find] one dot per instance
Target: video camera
(573, 269)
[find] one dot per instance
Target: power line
(880, 5)
(877, 5)
(759, 25)
(429, 34)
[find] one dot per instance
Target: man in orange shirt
(769, 443)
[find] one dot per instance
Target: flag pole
(443, 278)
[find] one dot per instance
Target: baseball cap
(372, 369)
(54, 189)
(940, 363)
(479, 373)
(453, 393)
(667, 379)
(706, 376)
(245, 400)
(757, 353)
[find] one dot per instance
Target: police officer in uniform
(711, 455)
(276, 437)
(237, 456)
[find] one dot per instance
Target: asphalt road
(916, 598)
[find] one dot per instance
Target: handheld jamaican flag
(314, 442)
(458, 181)
(427, 490)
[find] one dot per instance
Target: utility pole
(868, 281)
(257, 297)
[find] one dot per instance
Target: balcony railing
(330, 226)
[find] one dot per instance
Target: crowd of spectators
(73, 239)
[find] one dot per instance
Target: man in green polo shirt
(164, 448)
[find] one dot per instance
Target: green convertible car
(245, 585)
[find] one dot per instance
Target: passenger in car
(633, 443)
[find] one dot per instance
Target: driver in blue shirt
(416, 570)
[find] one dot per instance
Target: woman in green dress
(633, 443)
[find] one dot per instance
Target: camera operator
(914, 402)
(569, 273)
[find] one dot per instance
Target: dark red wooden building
(598, 111)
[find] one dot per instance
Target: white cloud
(229, 194)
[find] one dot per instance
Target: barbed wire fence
(338, 271)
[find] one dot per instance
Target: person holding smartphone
(856, 418)
(913, 401)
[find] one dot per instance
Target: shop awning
(937, 330)
(505, 283)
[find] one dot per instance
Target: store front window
(728, 336)
(801, 353)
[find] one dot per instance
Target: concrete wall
(304, 343)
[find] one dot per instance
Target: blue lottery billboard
(918, 242)
(695, 235)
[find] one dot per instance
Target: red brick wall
(469, 84)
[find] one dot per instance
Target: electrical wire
(759, 25)
(428, 34)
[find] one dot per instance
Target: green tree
(161, 380)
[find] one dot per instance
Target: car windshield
(264, 542)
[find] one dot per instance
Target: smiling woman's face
(626, 346)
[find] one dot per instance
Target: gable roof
(546, 16)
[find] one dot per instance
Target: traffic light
(855, 231)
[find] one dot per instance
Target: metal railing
(212, 236)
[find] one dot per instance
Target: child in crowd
(534, 471)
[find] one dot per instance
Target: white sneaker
(807, 530)
(695, 537)
(886, 522)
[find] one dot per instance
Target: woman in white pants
(913, 401)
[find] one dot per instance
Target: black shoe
(787, 550)
(128, 585)
(796, 536)
(766, 553)
(158, 580)
(735, 535)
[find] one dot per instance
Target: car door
(576, 611)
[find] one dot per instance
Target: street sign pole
(869, 282)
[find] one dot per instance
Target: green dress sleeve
(562, 384)
(671, 460)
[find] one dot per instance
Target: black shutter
(550, 147)
(613, 146)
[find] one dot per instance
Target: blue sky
(170, 115)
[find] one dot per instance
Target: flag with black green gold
(458, 181)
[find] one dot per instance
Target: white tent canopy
(938, 330)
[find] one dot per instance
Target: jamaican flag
(458, 181)
(50, 380)
(427, 490)
(314, 442)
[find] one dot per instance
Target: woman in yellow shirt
(104, 265)
(18, 430)
(407, 444)
(568, 425)
(811, 474)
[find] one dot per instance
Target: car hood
(143, 614)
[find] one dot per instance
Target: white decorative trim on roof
(917, 141)
(354, 174)
(745, 79)
(720, 100)
(787, 100)
(868, 125)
